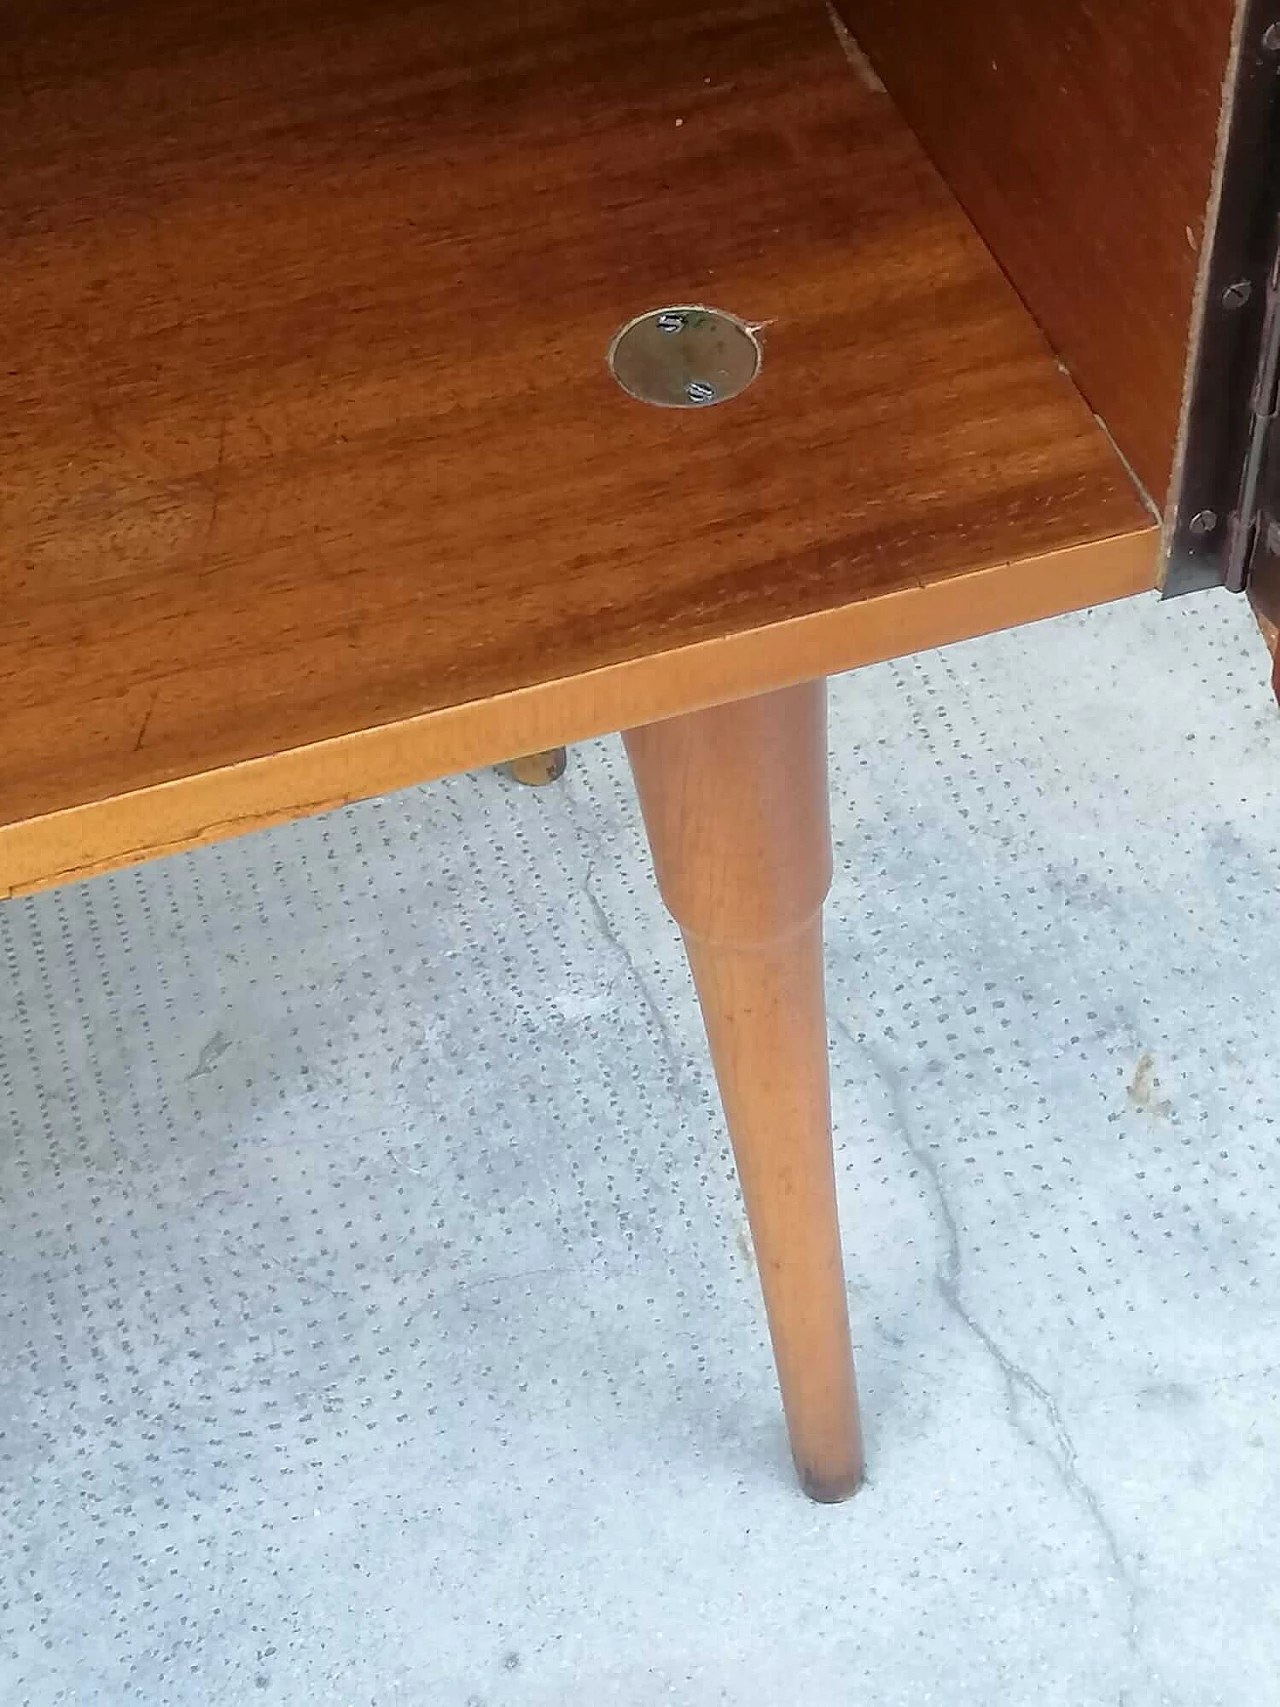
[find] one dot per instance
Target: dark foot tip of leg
(828, 1489)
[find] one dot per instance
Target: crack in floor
(672, 1055)
(1019, 1383)
(608, 930)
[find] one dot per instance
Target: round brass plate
(685, 357)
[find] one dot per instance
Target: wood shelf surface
(316, 482)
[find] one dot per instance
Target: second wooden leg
(735, 804)
(536, 770)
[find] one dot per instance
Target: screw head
(1237, 294)
(1271, 38)
(670, 321)
(1204, 521)
(699, 391)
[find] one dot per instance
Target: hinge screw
(1271, 38)
(1237, 294)
(1204, 521)
(698, 391)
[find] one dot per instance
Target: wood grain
(315, 482)
(735, 804)
(1080, 138)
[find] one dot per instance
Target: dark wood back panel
(1080, 138)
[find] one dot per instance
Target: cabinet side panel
(1080, 139)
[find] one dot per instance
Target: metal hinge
(1253, 525)
(1226, 515)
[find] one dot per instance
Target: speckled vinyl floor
(377, 1322)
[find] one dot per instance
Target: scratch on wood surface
(146, 720)
(136, 852)
(217, 491)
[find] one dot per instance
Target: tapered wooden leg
(735, 804)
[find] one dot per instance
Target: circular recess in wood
(685, 357)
